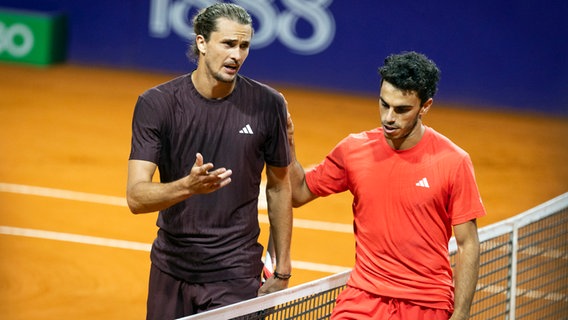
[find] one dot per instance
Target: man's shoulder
(444, 143)
(164, 95)
(168, 87)
(357, 141)
(365, 136)
(247, 84)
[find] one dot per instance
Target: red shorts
(357, 304)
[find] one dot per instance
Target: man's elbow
(301, 198)
(471, 247)
(134, 206)
(135, 209)
(296, 203)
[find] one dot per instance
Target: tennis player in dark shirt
(210, 134)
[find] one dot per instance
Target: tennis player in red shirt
(412, 187)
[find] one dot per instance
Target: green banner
(32, 37)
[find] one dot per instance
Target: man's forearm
(301, 194)
(281, 221)
(145, 197)
(467, 272)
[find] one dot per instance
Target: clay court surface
(70, 247)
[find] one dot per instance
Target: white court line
(62, 194)
(76, 238)
(140, 246)
(531, 251)
(524, 293)
(121, 202)
(132, 245)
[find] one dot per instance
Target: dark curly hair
(411, 71)
(205, 22)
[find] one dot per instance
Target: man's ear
(201, 44)
(426, 106)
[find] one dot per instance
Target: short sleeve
(276, 149)
(146, 133)
(330, 175)
(465, 200)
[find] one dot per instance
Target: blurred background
(71, 71)
(505, 54)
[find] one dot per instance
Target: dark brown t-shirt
(211, 237)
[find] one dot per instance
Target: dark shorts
(170, 298)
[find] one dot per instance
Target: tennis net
(523, 275)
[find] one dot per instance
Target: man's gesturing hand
(202, 180)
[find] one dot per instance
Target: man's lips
(231, 68)
(389, 129)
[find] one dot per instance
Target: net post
(514, 264)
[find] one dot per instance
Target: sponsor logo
(246, 130)
(173, 16)
(16, 40)
(423, 183)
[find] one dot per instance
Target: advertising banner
(491, 53)
(32, 37)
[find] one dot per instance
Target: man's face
(226, 50)
(401, 113)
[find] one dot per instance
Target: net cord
(273, 299)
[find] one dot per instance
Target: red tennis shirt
(405, 204)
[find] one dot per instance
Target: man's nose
(237, 54)
(390, 115)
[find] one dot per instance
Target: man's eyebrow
(234, 40)
(403, 106)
